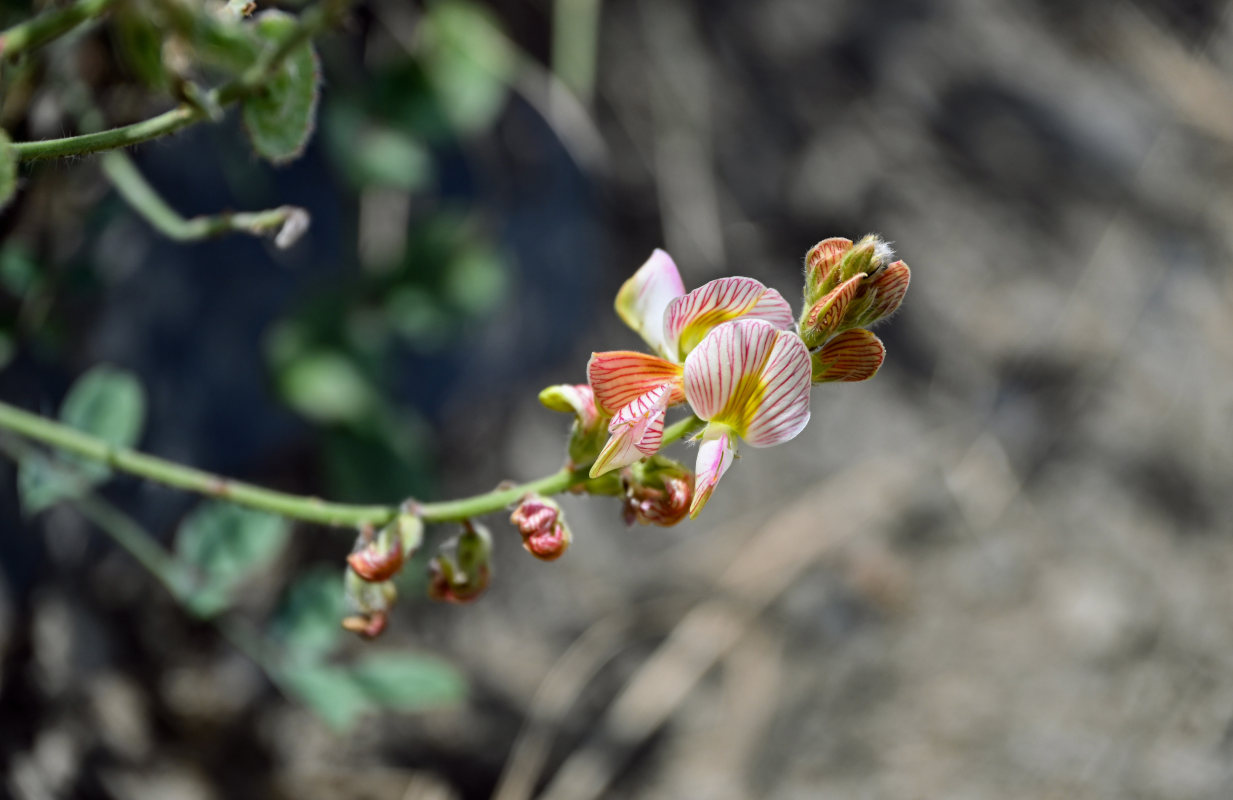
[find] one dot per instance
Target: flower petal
(690, 318)
(715, 454)
(827, 315)
(618, 377)
(853, 355)
(577, 398)
(636, 431)
(821, 261)
(891, 284)
(782, 409)
(644, 297)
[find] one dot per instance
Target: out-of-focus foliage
(105, 402)
(221, 545)
(280, 119)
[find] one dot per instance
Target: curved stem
(44, 28)
(312, 22)
(309, 509)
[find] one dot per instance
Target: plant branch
(308, 509)
(35, 33)
(312, 22)
(288, 222)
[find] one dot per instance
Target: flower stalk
(308, 509)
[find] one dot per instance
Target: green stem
(312, 22)
(139, 194)
(37, 32)
(309, 509)
(575, 39)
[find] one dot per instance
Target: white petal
(644, 297)
(689, 318)
(782, 410)
(715, 454)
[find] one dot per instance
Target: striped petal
(820, 264)
(576, 398)
(891, 285)
(690, 318)
(782, 410)
(752, 378)
(618, 377)
(851, 356)
(636, 431)
(644, 297)
(715, 454)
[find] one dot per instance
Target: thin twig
(287, 222)
(34, 33)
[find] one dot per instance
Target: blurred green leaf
(326, 387)
(476, 280)
(380, 682)
(8, 349)
(139, 43)
(108, 403)
(280, 119)
(8, 170)
(404, 682)
(308, 620)
(19, 273)
(105, 402)
(468, 61)
(41, 484)
(223, 543)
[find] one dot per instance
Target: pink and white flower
(637, 388)
(751, 381)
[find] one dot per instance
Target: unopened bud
(850, 288)
(542, 525)
(853, 355)
(380, 558)
(461, 571)
(821, 262)
(371, 602)
(590, 429)
(658, 492)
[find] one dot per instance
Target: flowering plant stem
(42, 29)
(308, 509)
(312, 22)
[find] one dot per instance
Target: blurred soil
(1001, 569)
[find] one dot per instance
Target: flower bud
(380, 558)
(850, 288)
(543, 529)
(658, 491)
(371, 602)
(590, 429)
(853, 355)
(462, 569)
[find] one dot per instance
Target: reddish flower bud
(820, 264)
(380, 558)
(543, 529)
(658, 492)
(369, 626)
(371, 602)
(850, 288)
(461, 571)
(851, 356)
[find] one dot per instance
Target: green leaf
(41, 484)
(280, 119)
(469, 62)
(340, 694)
(105, 402)
(402, 682)
(326, 387)
(308, 621)
(108, 403)
(8, 170)
(224, 543)
(477, 280)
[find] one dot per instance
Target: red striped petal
(715, 454)
(782, 408)
(821, 260)
(891, 285)
(752, 378)
(619, 377)
(853, 355)
(636, 431)
(690, 318)
(644, 297)
(827, 315)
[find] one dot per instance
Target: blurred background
(1000, 569)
